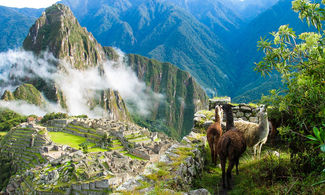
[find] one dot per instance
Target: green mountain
(182, 95)
(59, 32)
(159, 30)
(14, 25)
(25, 92)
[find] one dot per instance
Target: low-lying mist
(78, 86)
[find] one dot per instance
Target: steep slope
(218, 15)
(59, 32)
(14, 25)
(182, 96)
(25, 92)
(246, 52)
(159, 30)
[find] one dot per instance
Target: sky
(27, 3)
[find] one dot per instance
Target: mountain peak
(59, 32)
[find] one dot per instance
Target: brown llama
(231, 145)
(214, 132)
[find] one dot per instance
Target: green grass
(140, 139)
(73, 141)
(96, 149)
(134, 157)
(67, 139)
(268, 175)
(3, 133)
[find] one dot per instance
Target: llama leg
(211, 150)
(223, 168)
(260, 149)
(230, 166)
(237, 162)
(255, 148)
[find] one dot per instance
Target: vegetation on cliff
(9, 119)
(25, 92)
(182, 95)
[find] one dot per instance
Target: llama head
(262, 114)
(218, 113)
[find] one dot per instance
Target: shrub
(51, 116)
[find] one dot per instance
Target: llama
(214, 132)
(255, 134)
(231, 145)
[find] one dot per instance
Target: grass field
(72, 141)
(3, 133)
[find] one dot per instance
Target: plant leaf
(311, 137)
(322, 148)
(317, 133)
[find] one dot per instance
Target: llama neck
(229, 120)
(264, 125)
(217, 118)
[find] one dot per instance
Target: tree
(300, 60)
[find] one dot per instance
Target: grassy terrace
(72, 141)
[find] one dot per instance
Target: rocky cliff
(26, 92)
(182, 94)
(58, 32)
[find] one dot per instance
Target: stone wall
(182, 167)
(23, 145)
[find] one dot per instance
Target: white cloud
(77, 86)
(28, 3)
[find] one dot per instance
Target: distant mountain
(249, 9)
(245, 49)
(58, 32)
(160, 30)
(14, 25)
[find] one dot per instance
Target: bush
(300, 60)
(10, 119)
(51, 116)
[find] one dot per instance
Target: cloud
(78, 86)
(24, 108)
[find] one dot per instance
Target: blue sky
(27, 3)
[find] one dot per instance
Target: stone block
(102, 184)
(240, 114)
(253, 119)
(248, 114)
(92, 186)
(245, 108)
(85, 186)
(201, 191)
(76, 187)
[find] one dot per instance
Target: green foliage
(10, 119)
(301, 62)
(81, 116)
(318, 137)
(84, 147)
(51, 116)
(29, 93)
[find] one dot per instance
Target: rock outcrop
(26, 92)
(58, 32)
